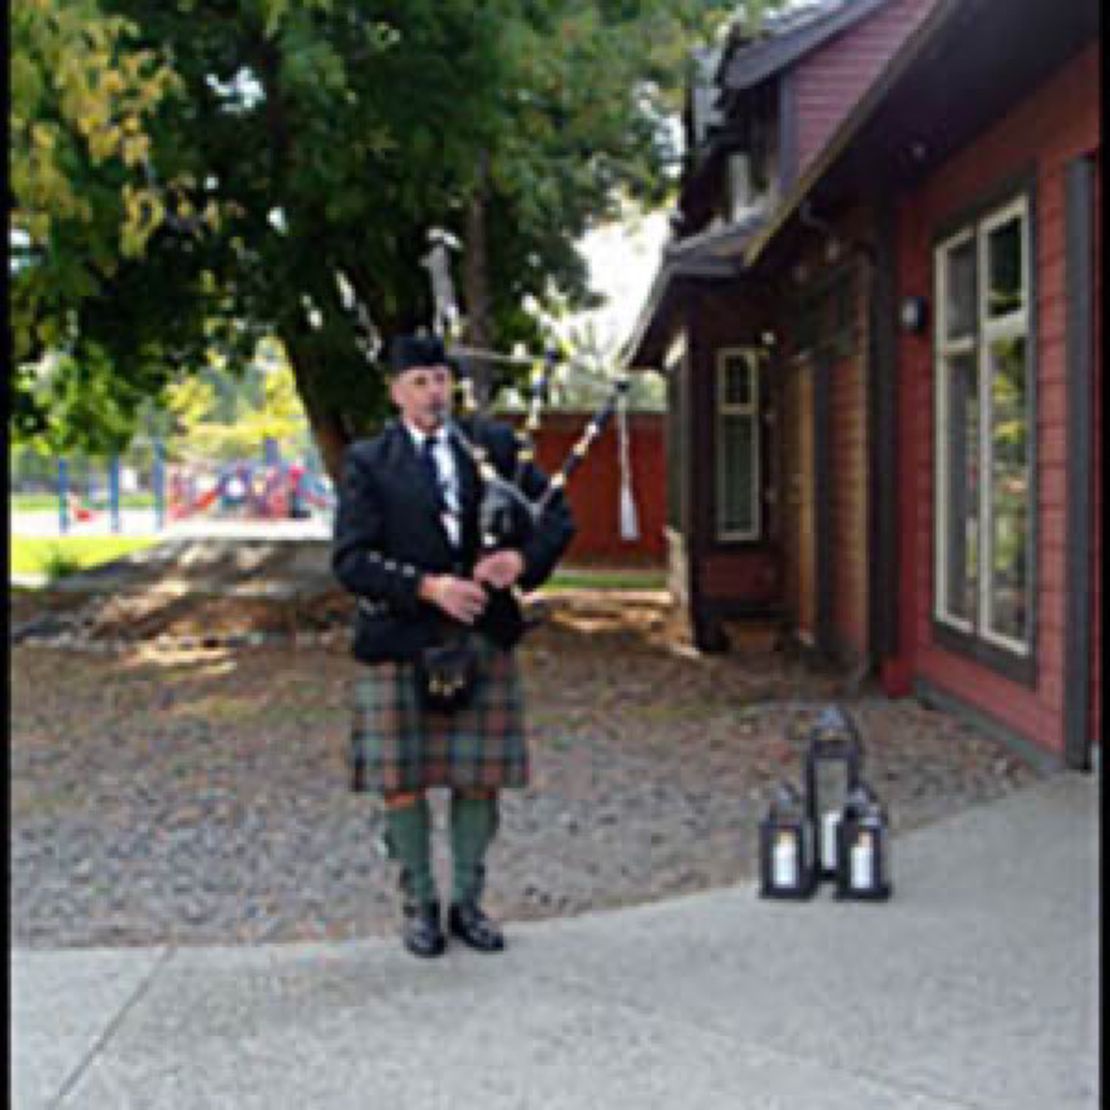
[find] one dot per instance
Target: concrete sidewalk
(974, 987)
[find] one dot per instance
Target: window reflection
(960, 304)
(963, 486)
(1004, 279)
(1009, 493)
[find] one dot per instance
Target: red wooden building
(877, 319)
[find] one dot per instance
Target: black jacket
(388, 533)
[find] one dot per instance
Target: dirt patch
(198, 796)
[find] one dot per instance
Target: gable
(829, 81)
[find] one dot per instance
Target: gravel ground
(162, 794)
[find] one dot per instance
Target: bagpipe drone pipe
(507, 514)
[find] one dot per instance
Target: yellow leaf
(135, 149)
(43, 136)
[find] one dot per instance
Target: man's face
(423, 394)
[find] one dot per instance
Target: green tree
(82, 96)
(324, 139)
(219, 415)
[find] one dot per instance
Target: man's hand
(500, 570)
(457, 597)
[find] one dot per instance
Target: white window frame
(726, 410)
(984, 332)
(945, 349)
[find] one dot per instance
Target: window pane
(962, 489)
(737, 485)
(737, 381)
(1010, 489)
(959, 309)
(740, 186)
(1004, 254)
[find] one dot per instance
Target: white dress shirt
(444, 458)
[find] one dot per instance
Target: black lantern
(833, 761)
(863, 848)
(786, 847)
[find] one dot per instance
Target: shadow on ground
(168, 793)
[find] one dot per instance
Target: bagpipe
(507, 513)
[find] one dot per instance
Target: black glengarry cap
(406, 351)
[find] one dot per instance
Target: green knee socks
(473, 825)
(409, 831)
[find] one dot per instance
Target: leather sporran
(447, 674)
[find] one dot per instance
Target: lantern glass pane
(862, 860)
(786, 859)
(832, 785)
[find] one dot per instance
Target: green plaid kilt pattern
(402, 746)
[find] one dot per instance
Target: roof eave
(711, 256)
(865, 132)
(758, 61)
(788, 210)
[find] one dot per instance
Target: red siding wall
(836, 74)
(1058, 122)
(594, 488)
(848, 511)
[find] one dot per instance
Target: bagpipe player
(440, 703)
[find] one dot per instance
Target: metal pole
(113, 491)
(63, 496)
(158, 480)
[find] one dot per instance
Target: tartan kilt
(402, 746)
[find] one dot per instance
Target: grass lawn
(57, 557)
(586, 579)
(38, 502)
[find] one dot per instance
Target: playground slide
(199, 504)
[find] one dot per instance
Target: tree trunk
(329, 429)
(479, 330)
(331, 441)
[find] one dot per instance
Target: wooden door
(800, 523)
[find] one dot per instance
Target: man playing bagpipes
(435, 534)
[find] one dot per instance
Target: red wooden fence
(594, 488)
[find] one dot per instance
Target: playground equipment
(73, 509)
(272, 489)
(247, 490)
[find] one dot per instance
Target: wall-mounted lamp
(914, 314)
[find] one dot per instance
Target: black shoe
(466, 921)
(421, 930)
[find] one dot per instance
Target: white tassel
(629, 522)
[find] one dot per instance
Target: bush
(58, 563)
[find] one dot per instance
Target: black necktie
(427, 457)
